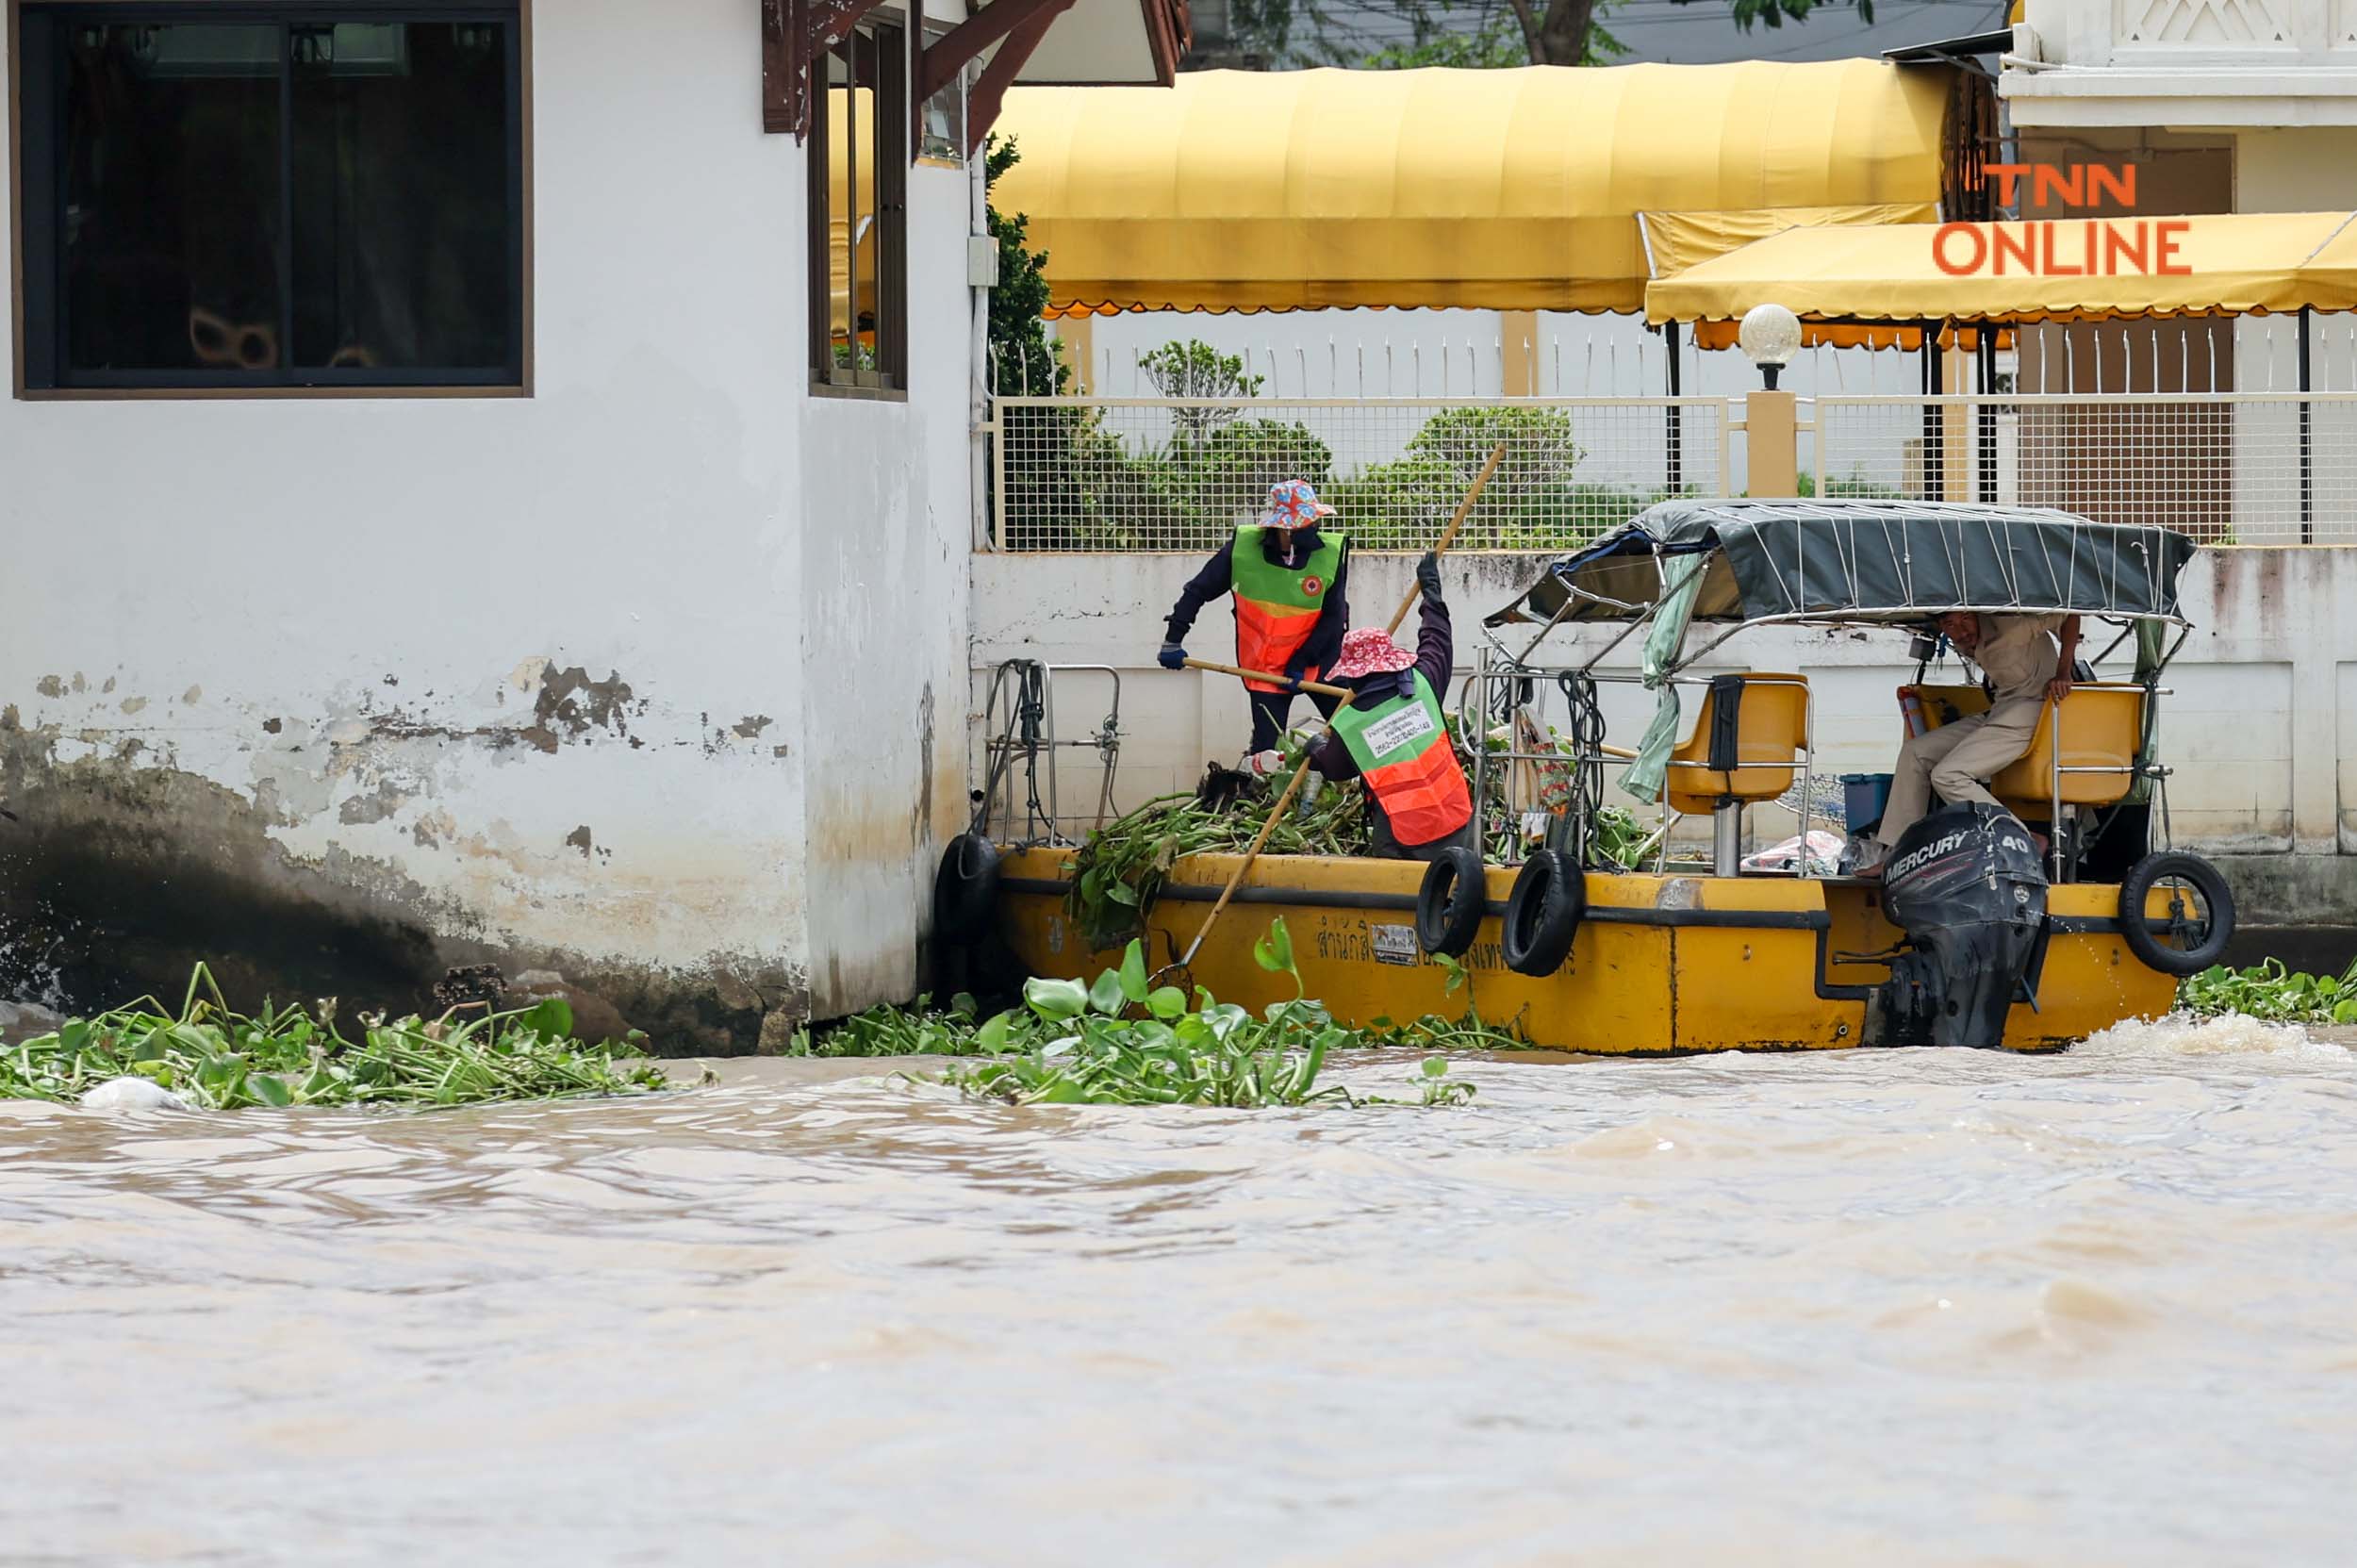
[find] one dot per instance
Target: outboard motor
(1966, 886)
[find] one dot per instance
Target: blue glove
(1173, 657)
(1428, 574)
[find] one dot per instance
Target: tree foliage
(1197, 370)
(1020, 357)
(1395, 34)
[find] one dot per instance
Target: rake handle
(1448, 536)
(1316, 687)
(1275, 813)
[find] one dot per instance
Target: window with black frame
(857, 307)
(235, 196)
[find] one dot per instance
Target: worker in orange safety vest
(1286, 572)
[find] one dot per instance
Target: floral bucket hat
(1293, 504)
(1369, 651)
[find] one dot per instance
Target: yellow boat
(1976, 938)
(1660, 965)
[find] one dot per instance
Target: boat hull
(1663, 965)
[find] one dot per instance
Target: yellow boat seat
(1771, 731)
(2103, 725)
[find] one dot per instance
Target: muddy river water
(1865, 1307)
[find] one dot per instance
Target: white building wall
(2184, 63)
(886, 509)
(2294, 169)
(341, 691)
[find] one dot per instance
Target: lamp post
(1769, 336)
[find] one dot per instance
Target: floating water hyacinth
(2273, 992)
(211, 1057)
(1121, 1041)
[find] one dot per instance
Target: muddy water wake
(1867, 1307)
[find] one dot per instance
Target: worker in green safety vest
(1393, 735)
(1286, 572)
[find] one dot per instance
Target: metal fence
(1124, 474)
(1110, 474)
(2225, 468)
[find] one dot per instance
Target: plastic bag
(1825, 853)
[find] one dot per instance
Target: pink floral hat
(1369, 651)
(1293, 504)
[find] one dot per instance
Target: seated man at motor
(1286, 572)
(2025, 666)
(1391, 734)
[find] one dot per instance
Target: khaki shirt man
(2028, 659)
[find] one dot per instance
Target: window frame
(40, 297)
(889, 147)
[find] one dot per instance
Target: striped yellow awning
(1505, 189)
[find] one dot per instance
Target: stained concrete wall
(2262, 724)
(887, 522)
(341, 692)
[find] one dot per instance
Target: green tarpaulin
(1663, 641)
(1863, 561)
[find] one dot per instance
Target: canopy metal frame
(1499, 669)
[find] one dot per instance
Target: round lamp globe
(1771, 335)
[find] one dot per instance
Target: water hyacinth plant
(1123, 1042)
(215, 1058)
(2273, 992)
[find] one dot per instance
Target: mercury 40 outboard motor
(1965, 885)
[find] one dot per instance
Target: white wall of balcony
(2188, 63)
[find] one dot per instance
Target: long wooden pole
(1293, 786)
(1318, 688)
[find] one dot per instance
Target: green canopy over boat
(1888, 561)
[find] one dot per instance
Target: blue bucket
(1863, 796)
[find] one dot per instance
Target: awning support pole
(1935, 431)
(1986, 419)
(1676, 472)
(2307, 450)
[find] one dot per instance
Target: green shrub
(1856, 485)
(1539, 452)
(1231, 472)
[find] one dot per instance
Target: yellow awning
(2331, 271)
(2236, 263)
(1677, 240)
(1505, 189)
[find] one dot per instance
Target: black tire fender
(2146, 943)
(1451, 901)
(965, 888)
(1543, 911)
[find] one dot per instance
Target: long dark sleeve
(1436, 646)
(1330, 757)
(1325, 639)
(1217, 578)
